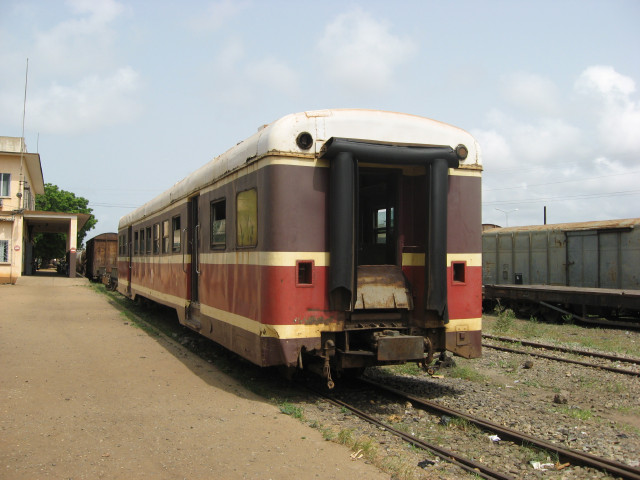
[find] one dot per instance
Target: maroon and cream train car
(337, 238)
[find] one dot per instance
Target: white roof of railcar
(280, 136)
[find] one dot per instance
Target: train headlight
(304, 141)
(462, 152)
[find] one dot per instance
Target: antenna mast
(22, 142)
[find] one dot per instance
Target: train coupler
(426, 361)
(329, 351)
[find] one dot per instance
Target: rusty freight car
(101, 257)
(333, 239)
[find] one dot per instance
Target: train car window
(247, 218)
(142, 241)
(175, 228)
(135, 243)
(218, 223)
(156, 239)
(380, 224)
(148, 245)
(459, 273)
(165, 236)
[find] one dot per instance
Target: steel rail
(466, 464)
(565, 360)
(556, 348)
(578, 458)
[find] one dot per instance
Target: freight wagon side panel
(505, 259)
(630, 259)
(489, 260)
(539, 273)
(522, 249)
(582, 259)
(557, 266)
(609, 260)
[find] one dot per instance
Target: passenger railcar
(100, 257)
(580, 269)
(336, 239)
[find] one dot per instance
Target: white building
(20, 181)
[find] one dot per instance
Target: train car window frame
(304, 273)
(149, 240)
(247, 218)
(136, 239)
(218, 234)
(156, 238)
(165, 236)
(175, 229)
(459, 273)
(142, 241)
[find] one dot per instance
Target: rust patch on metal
(382, 287)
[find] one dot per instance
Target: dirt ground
(84, 394)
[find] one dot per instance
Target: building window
(4, 251)
(175, 227)
(218, 221)
(247, 218)
(5, 182)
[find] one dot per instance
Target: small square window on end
(459, 271)
(304, 273)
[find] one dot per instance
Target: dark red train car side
(337, 239)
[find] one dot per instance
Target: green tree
(54, 245)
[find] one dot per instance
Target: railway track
(614, 358)
(469, 465)
(572, 457)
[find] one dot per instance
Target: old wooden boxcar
(101, 256)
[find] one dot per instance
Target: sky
(125, 98)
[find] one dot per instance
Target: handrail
(196, 245)
(184, 247)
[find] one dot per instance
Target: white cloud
(359, 52)
(101, 11)
(606, 81)
(618, 114)
(495, 147)
(218, 14)
(92, 103)
(536, 141)
(275, 74)
(80, 43)
(533, 93)
(241, 80)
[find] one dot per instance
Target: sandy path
(85, 395)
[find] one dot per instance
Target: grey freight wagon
(582, 269)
